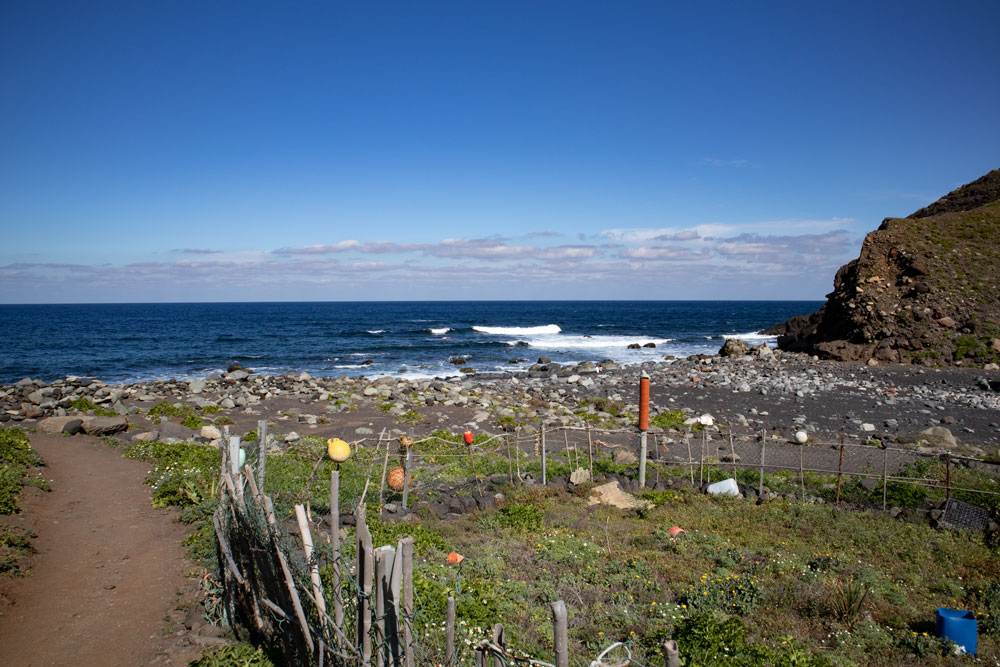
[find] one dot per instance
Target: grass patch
(16, 456)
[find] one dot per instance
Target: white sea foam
(441, 331)
(575, 342)
(548, 329)
(376, 331)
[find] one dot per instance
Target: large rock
(734, 347)
(54, 425)
(940, 435)
(612, 494)
(104, 425)
(171, 431)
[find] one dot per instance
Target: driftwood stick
(340, 633)
(307, 547)
(224, 545)
(289, 580)
(364, 573)
(385, 467)
(275, 609)
(261, 452)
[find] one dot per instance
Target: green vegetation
(779, 583)
(243, 655)
(16, 456)
(15, 544)
(193, 421)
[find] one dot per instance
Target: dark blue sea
(133, 342)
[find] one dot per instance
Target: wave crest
(547, 329)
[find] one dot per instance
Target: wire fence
(323, 602)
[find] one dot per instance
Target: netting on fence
(290, 582)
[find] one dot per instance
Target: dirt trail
(109, 567)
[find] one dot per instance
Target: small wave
(441, 331)
(376, 331)
(547, 329)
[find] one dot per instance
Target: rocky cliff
(925, 289)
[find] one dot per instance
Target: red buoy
(468, 437)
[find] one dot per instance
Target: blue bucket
(957, 625)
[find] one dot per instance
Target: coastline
(771, 391)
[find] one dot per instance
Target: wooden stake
(763, 449)
(307, 548)
(544, 478)
(885, 478)
(365, 569)
(802, 471)
(385, 468)
(261, 452)
(338, 601)
(590, 452)
(560, 633)
(670, 654)
(947, 479)
(449, 634)
(687, 441)
(406, 551)
(840, 471)
(406, 475)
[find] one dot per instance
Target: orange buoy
(676, 530)
(454, 558)
(469, 437)
(396, 478)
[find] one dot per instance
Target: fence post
(498, 639)
(560, 627)
(885, 478)
(364, 573)
(261, 452)
(690, 463)
(947, 479)
(643, 425)
(840, 471)
(590, 452)
(234, 464)
(544, 478)
(386, 622)
(449, 633)
(406, 551)
(670, 654)
(406, 473)
(802, 471)
(338, 603)
(763, 449)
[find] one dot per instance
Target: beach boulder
(734, 347)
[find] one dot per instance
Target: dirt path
(108, 574)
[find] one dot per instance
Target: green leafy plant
(848, 601)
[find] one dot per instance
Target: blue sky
(245, 151)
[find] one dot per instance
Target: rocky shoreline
(747, 390)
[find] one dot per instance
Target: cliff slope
(925, 289)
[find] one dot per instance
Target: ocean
(136, 342)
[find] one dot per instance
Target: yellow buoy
(338, 450)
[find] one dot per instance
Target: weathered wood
(560, 633)
(671, 655)
(290, 581)
(500, 642)
(407, 465)
(338, 601)
(406, 551)
(542, 445)
(261, 452)
(763, 450)
(885, 479)
(234, 466)
(385, 468)
(449, 633)
(365, 568)
(387, 645)
(226, 552)
(590, 452)
(307, 548)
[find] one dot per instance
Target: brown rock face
(925, 289)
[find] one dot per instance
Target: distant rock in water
(924, 289)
